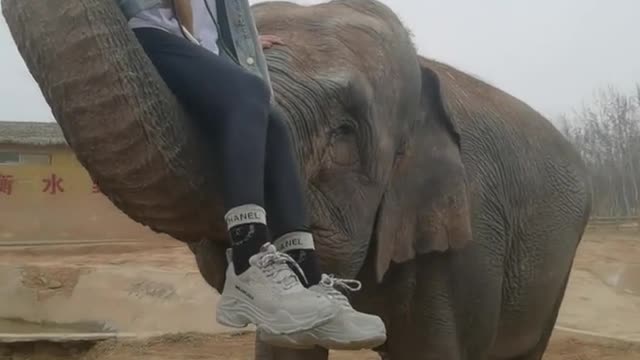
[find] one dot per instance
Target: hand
(268, 41)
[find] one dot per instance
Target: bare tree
(607, 134)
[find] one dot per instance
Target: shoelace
(272, 257)
(331, 283)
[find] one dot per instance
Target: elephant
(458, 206)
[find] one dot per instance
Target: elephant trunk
(116, 113)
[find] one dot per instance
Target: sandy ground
(152, 280)
(564, 346)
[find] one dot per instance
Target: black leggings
(257, 157)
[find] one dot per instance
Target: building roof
(30, 133)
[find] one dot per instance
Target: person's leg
(260, 287)
(288, 219)
(233, 103)
(289, 224)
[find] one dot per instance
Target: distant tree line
(606, 131)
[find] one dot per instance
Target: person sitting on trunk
(277, 287)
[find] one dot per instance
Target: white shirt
(164, 19)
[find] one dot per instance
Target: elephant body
(458, 206)
(497, 297)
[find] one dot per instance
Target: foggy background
(551, 54)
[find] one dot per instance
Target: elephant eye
(343, 149)
(342, 130)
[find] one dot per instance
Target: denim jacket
(236, 19)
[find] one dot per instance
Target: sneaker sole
(236, 313)
(364, 343)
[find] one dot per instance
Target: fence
(618, 222)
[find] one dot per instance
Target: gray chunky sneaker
(270, 295)
(348, 330)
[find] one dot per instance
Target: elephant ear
(426, 206)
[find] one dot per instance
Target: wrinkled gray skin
(458, 206)
(467, 212)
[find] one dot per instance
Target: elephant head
(375, 145)
(376, 149)
(379, 154)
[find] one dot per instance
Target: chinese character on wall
(6, 184)
(52, 184)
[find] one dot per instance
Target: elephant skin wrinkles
(458, 206)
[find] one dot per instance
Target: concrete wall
(57, 201)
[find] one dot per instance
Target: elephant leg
(265, 351)
(211, 260)
(538, 351)
(443, 307)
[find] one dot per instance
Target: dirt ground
(599, 319)
(564, 346)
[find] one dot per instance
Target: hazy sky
(551, 53)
